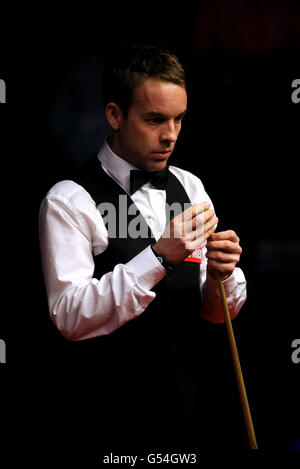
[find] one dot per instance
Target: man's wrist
(162, 259)
(226, 277)
(213, 276)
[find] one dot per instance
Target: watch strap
(162, 260)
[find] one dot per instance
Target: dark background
(240, 137)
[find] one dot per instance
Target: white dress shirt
(72, 231)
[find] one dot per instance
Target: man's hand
(186, 232)
(223, 253)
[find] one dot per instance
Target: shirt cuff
(146, 268)
(236, 278)
(235, 291)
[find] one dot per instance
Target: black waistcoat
(172, 319)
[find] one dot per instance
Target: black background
(240, 136)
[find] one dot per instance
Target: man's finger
(201, 219)
(224, 257)
(201, 234)
(223, 235)
(195, 210)
(200, 222)
(224, 245)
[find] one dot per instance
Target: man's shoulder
(65, 188)
(70, 193)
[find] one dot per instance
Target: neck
(116, 148)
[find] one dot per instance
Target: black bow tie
(158, 179)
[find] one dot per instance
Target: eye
(156, 120)
(179, 118)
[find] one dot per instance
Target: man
(139, 300)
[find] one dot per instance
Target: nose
(169, 132)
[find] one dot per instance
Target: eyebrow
(160, 114)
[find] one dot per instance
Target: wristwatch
(162, 260)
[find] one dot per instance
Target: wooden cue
(238, 370)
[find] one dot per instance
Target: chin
(158, 165)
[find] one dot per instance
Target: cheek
(145, 136)
(178, 129)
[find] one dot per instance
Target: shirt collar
(115, 166)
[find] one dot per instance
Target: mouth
(162, 155)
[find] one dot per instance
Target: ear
(114, 115)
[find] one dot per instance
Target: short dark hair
(134, 64)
